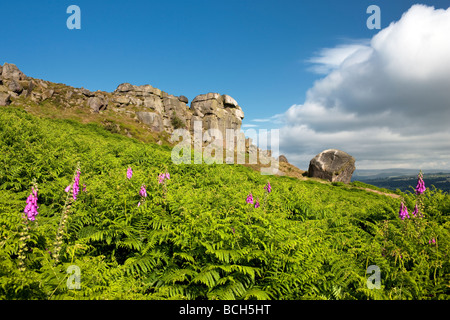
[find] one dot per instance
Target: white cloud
(386, 102)
(246, 125)
(261, 120)
(330, 59)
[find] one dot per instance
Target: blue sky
(253, 50)
(256, 51)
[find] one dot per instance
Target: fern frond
(207, 277)
(256, 293)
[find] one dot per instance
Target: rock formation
(332, 165)
(155, 108)
(159, 111)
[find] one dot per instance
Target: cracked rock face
(332, 165)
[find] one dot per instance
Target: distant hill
(403, 179)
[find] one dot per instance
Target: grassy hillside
(194, 236)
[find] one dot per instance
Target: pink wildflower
(268, 187)
(420, 188)
(403, 213)
(31, 207)
(143, 192)
(76, 186)
(163, 176)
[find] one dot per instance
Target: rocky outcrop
(12, 83)
(217, 112)
(151, 106)
(332, 165)
(11, 72)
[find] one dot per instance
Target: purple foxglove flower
(76, 186)
(403, 213)
(249, 198)
(167, 176)
(161, 178)
(31, 207)
(129, 173)
(67, 189)
(143, 192)
(256, 204)
(268, 188)
(139, 204)
(84, 187)
(420, 188)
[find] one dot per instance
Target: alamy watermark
(74, 279)
(374, 281)
(374, 20)
(74, 20)
(238, 149)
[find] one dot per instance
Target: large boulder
(124, 87)
(5, 98)
(96, 104)
(183, 99)
(332, 165)
(11, 72)
(15, 86)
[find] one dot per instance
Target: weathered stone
(183, 99)
(121, 100)
(124, 87)
(154, 102)
(218, 111)
(151, 90)
(15, 86)
(36, 97)
(282, 158)
(11, 72)
(68, 95)
(237, 112)
(332, 165)
(47, 94)
(152, 119)
(5, 98)
(136, 101)
(96, 104)
(87, 93)
(42, 83)
(229, 101)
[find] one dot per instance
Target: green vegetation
(177, 123)
(194, 236)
